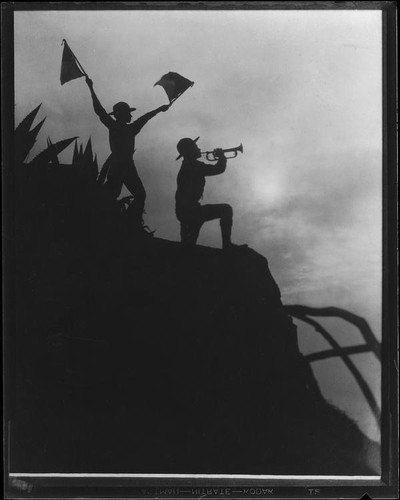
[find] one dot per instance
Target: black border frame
(387, 487)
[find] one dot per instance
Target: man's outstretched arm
(98, 108)
(141, 122)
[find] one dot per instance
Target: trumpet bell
(234, 151)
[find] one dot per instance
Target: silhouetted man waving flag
(191, 182)
(119, 167)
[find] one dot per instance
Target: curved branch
(358, 321)
(348, 362)
(330, 353)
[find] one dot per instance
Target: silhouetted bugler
(191, 181)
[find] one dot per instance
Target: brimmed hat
(121, 106)
(183, 144)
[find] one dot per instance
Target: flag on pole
(174, 85)
(70, 67)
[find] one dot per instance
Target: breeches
(124, 172)
(193, 218)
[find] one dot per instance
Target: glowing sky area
(301, 90)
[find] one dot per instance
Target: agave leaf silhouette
(26, 123)
(47, 155)
(88, 154)
(86, 164)
(24, 138)
(75, 157)
(54, 158)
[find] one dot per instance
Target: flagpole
(176, 97)
(76, 59)
(80, 65)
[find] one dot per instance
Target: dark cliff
(138, 356)
(133, 354)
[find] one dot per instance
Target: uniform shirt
(191, 180)
(122, 135)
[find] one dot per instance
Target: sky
(300, 89)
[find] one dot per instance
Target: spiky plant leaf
(53, 153)
(46, 155)
(88, 154)
(75, 157)
(24, 138)
(27, 122)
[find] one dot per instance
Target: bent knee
(228, 210)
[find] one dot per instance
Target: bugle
(210, 155)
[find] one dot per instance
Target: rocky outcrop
(144, 356)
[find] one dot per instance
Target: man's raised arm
(98, 108)
(141, 122)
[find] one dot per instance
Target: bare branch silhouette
(357, 321)
(330, 353)
(301, 312)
